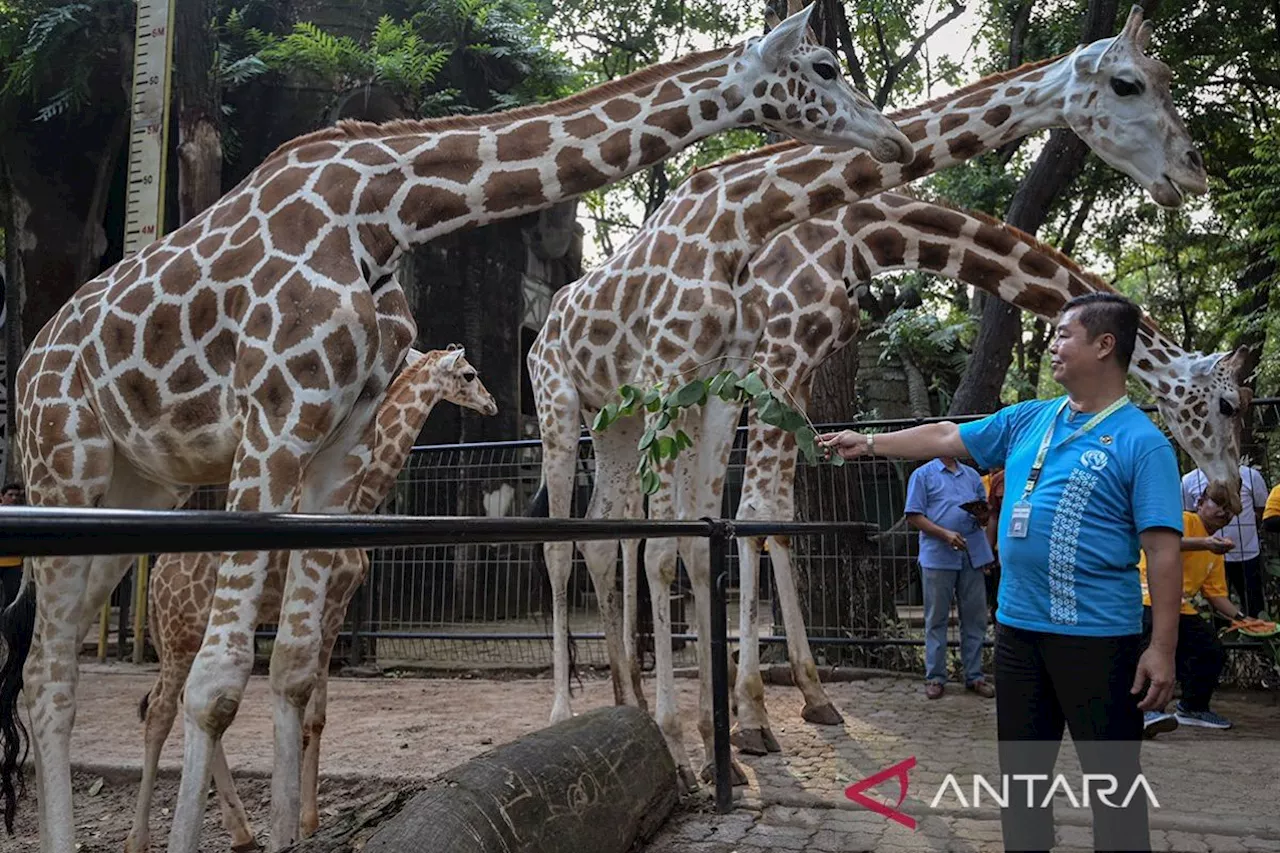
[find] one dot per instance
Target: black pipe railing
(59, 531)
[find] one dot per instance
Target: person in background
(1271, 512)
(1244, 563)
(954, 555)
(993, 483)
(1200, 655)
(10, 566)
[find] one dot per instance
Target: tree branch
(895, 70)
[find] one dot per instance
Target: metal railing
(33, 531)
(472, 604)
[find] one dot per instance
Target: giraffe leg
(701, 481)
(611, 494)
(630, 561)
(559, 414)
(818, 708)
(753, 734)
(69, 593)
(660, 569)
(348, 573)
(234, 819)
(177, 625)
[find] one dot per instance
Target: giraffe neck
(900, 232)
(789, 182)
(434, 177)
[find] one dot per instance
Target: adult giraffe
(669, 306)
(182, 589)
(252, 346)
(799, 280)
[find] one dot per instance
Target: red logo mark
(899, 770)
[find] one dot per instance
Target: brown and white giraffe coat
(674, 303)
(253, 345)
(182, 590)
(809, 296)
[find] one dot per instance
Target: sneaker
(1158, 723)
(933, 690)
(1204, 719)
(982, 688)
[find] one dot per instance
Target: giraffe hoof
(736, 773)
(822, 715)
(771, 742)
(246, 847)
(750, 741)
(686, 782)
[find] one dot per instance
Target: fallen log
(599, 782)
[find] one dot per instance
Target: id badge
(1020, 520)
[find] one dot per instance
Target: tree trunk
(197, 95)
(557, 790)
(1057, 166)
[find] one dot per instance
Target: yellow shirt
(1202, 571)
(1273, 504)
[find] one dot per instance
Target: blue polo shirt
(1076, 571)
(937, 493)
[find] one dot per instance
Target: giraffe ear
(776, 49)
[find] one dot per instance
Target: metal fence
(475, 606)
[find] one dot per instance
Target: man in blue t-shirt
(954, 559)
(1089, 481)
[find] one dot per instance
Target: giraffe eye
(825, 70)
(469, 376)
(1125, 88)
(1226, 408)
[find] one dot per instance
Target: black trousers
(1199, 661)
(1244, 578)
(1048, 682)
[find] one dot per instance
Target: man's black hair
(1109, 313)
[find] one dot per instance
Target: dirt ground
(379, 733)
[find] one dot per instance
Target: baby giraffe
(182, 588)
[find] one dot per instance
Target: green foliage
(728, 386)
(51, 51)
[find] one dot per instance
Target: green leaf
(605, 417)
(647, 439)
(664, 421)
(649, 482)
(683, 440)
(652, 400)
(769, 410)
(690, 394)
(837, 461)
(630, 396)
(793, 421)
(717, 384)
(667, 447)
(807, 441)
(751, 384)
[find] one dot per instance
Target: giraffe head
(794, 87)
(1206, 417)
(460, 384)
(1117, 100)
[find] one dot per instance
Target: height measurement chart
(149, 130)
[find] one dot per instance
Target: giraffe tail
(540, 507)
(17, 626)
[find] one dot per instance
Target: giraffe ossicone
(674, 303)
(252, 346)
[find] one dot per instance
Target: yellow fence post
(140, 606)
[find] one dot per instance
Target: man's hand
(849, 444)
(1219, 545)
(954, 539)
(1156, 666)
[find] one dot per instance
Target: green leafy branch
(728, 386)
